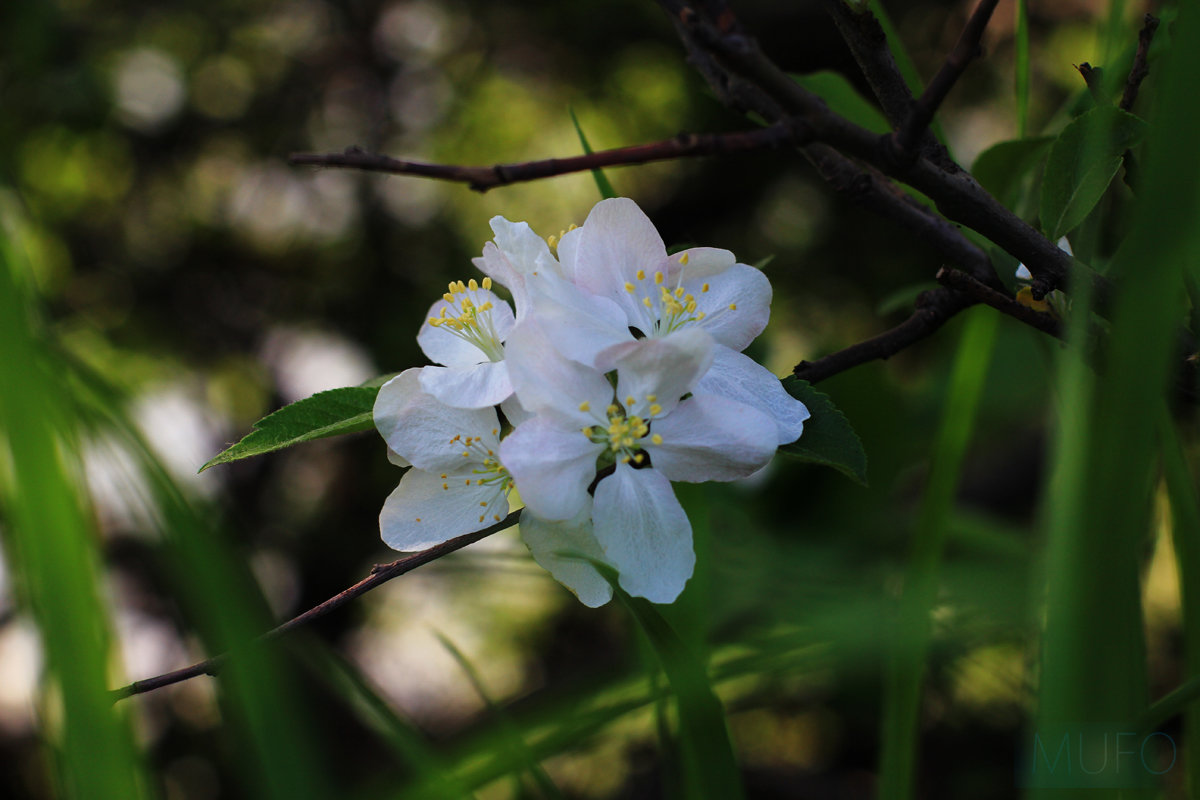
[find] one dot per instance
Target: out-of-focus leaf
(602, 183)
(330, 413)
(711, 766)
(1083, 161)
(1001, 168)
(844, 99)
(828, 437)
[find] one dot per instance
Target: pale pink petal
(427, 509)
(663, 369)
(564, 548)
(736, 306)
(579, 324)
(710, 438)
(551, 465)
(618, 239)
(545, 381)
(738, 377)
(476, 386)
(644, 533)
(423, 431)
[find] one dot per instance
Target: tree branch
(1002, 302)
(685, 145)
(966, 50)
(380, 574)
(934, 308)
(1140, 69)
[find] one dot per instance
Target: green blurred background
(189, 282)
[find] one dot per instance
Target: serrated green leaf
(828, 438)
(325, 414)
(606, 189)
(1083, 161)
(1001, 168)
(842, 98)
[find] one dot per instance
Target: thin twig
(380, 574)
(960, 281)
(966, 50)
(934, 308)
(1140, 68)
(685, 145)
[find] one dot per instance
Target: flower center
(469, 319)
(623, 433)
(666, 310)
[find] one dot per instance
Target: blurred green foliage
(173, 281)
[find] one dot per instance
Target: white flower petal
(520, 244)
(699, 262)
(579, 324)
(618, 239)
(665, 368)
(644, 533)
(476, 386)
(443, 346)
(563, 548)
(711, 438)
(422, 430)
(551, 465)
(568, 252)
(547, 381)
(738, 377)
(420, 513)
(397, 459)
(747, 290)
(496, 266)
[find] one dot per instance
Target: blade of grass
(53, 550)
(1093, 666)
(909, 648)
(1185, 536)
(602, 183)
(711, 768)
(511, 739)
(1022, 66)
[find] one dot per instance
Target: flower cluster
(617, 370)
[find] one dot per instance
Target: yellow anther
(466, 454)
(460, 287)
(656, 438)
(679, 291)
(495, 431)
(467, 481)
(629, 401)
(690, 307)
(443, 476)
(585, 406)
(483, 503)
(418, 519)
(651, 398)
(571, 227)
(446, 487)
(434, 322)
(453, 287)
(472, 285)
(700, 315)
(587, 431)
(704, 288)
(658, 277)
(552, 240)
(626, 459)
(683, 259)
(612, 409)
(641, 274)
(449, 298)
(655, 409)
(629, 287)
(482, 517)
(646, 302)
(733, 306)
(487, 283)
(639, 458)
(496, 517)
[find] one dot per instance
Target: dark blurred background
(142, 167)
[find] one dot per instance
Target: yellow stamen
(585, 406)
(487, 283)
(656, 438)
(641, 274)
(683, 259)
(658, 278)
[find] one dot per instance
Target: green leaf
(711, 766)
(1082, 163)
(606, 189)
(828, 437)
(1001, 168)
(842, 98)
(330, 413)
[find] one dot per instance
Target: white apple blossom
(465, 332)
(456, 484)
(616, 284)
(647, 428)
